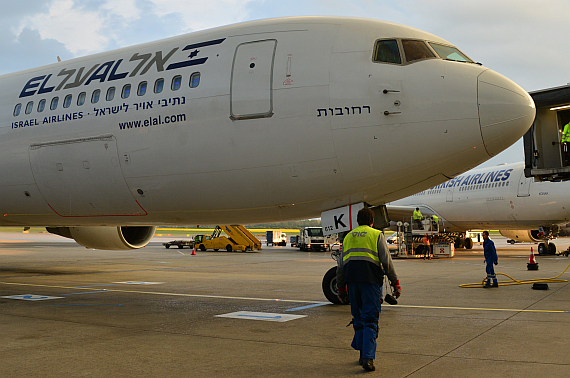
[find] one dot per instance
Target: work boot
(368, 364)
(495, 284)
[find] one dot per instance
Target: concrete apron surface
(67, 311)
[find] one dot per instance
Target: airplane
(499, 197)
(260, 121)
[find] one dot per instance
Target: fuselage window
(194, 79)
(387, 51)
(54, 102)
(81, 98)
(126, 91)
(95, 96)
(449, 53)
(416, 50)
(176, 82)
(142, 88)
(17, 110)
(159, 86)
(41, 105)
(110, 94)
(67, 101)
(29, 107)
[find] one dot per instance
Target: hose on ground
(514, 281)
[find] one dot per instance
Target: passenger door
(252, 80)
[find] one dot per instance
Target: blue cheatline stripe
(306, 307)
(88, 292)
(80, 287)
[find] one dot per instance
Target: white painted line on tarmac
(266, 316)
(170, 294)
(139, 283)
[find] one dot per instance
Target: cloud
(24, 47)
(522, 39)
(86, 26)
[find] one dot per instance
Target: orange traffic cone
(532, 264)
(193, 251)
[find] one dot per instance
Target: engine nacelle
(524, 236)
(109, 238)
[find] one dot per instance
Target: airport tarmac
(67, 311)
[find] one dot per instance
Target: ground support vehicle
(312, 239)
(276, 237)
(239, 239)
(294, 240)
(179, 243)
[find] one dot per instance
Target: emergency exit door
(252, 80)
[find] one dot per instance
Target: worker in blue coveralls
(364, 261)
(490, 260)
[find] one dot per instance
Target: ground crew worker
(427, 247)
(418, 218)
(435, 222)
(566, 143)
(491, 259)
(364, 261)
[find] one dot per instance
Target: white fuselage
(500, 197)
(289, 118)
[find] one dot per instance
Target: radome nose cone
(506, 111)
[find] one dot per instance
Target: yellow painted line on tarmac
(168, 294)
(484, 309)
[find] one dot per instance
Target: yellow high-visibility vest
(566, 133)
(361, 244)
(417, 214)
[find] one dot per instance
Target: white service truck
(276, 237)
(312, 239)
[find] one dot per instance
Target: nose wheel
(329, 286)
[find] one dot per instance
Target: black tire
(468, 243)
(459, 243)
(228, 248)
(202, 247)
(329, 286)
(167, 246)
(542, 249)
(551, 248)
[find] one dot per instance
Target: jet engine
(109, 238)
(523, 236)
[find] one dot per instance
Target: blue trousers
(490, 269)
(365, 308)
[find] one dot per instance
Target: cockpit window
(416, 50)
(449, 53)
(387, 51)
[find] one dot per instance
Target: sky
(525, 40)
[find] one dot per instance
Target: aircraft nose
(506, 111)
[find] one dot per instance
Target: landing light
(561, 107)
